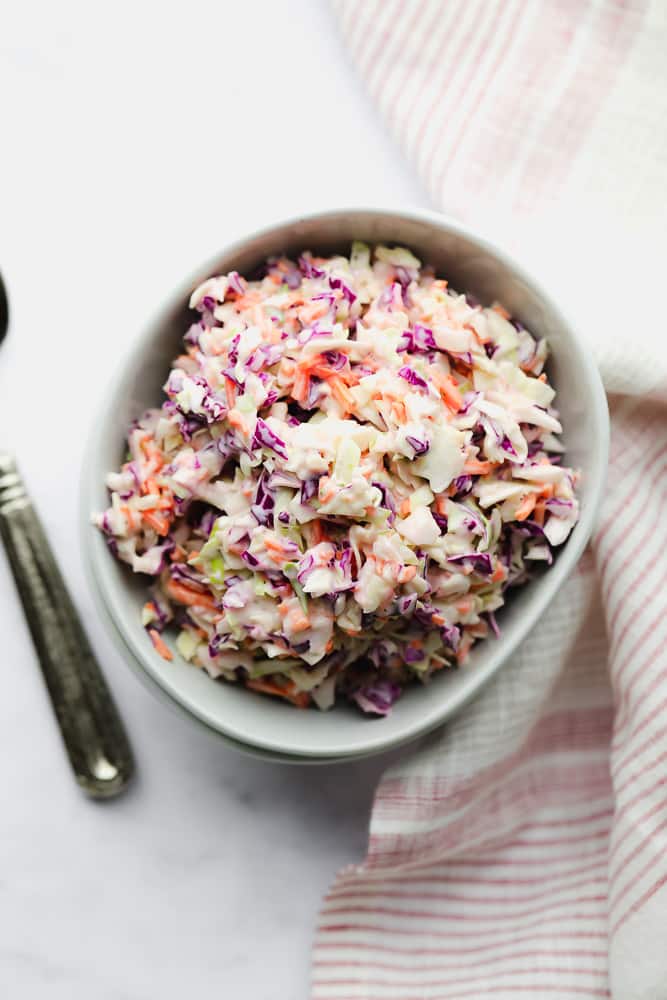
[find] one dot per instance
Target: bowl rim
(368, 744)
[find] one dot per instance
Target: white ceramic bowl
(265, 725)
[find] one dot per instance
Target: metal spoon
(90, 725)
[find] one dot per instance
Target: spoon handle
(90, 725)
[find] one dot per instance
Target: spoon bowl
(4, 311)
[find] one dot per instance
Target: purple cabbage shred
(377, 698)
(480, 561)
(411, 376)
(265, 437)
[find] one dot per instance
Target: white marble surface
(135, 142)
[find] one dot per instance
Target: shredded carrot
(230, 391)
(539, 513)
(526, 507)
(299, 698)
(158, 522)
(451, 394)
(441, 506)
(187, 595)
(499, 573)
(475, 467)
(273, 544)
(438, 620)
(464, 606)
(404, 508)
(149, 486)
(156, 459)
(314, 310)
(275, 549)
(449, 390)
(250, 298)
(301, 386)
(152, 453)
(236, 420)
(323, 371)
(160, 645)
(341, 393)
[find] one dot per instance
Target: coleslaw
(352, 466)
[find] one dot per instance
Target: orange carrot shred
(160, 645)
(475, 467)
(341, 393)
(158, 522)
(526, 507)
(299, 698)
(187, 595)
(230, 391)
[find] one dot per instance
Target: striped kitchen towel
(523, 850)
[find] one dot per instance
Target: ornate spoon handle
(91, 727)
